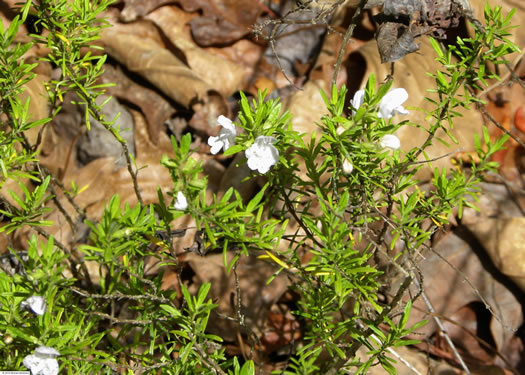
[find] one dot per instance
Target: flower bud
(390, 141)
(347, 167)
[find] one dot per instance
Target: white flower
(390, 141)
(347, 166)
(226, 136)
(357, 100)
(262, 154)
(391, 103)
(181, 203)
(43, 361)
(37, 304)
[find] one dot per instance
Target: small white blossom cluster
(43, 361)
(261, 155)
(226, 137)
(36, 304)
(390, 105)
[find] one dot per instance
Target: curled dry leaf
(134, 9)
(502, 239)
(155, 108)
(294, 44)
(222, 21)
(221, 74)
(395, 39)
(448, 292)
(235, 176)
(159, 66)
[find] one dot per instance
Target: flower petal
(262, 154)
(264, 168)
(357, 100)
(212, 140)
(181, 203)
(46, 351)
(253, 163)
(391, 103)
(216, 147)
(43, 361)
(226, 123)
(396, 97)
(36, 304)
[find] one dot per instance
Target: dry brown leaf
(256, 296)
(134, 9)
(307, 107)
(221, 74)
(98, 142)
(157, 65)
(222, 21)
(504, 241)
(155, 108)
(464, 332)
(38, 103)
(448, 292)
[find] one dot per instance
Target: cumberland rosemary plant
(330, 204)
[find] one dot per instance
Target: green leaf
(248, 368)
(252, 205)
(185, 144)
(233, 150)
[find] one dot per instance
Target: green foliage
(337, 195)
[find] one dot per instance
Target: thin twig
(118, 296)
(128, 321)
(351, 352)
(482, 109)
(240, 316)
(346, 40)
(442, 328)
(206, 360)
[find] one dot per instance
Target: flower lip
(262, 154)
(391, 103)
(390, 141)
(37, 304)
(43, 361)
(226, 137)
(181, 203)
